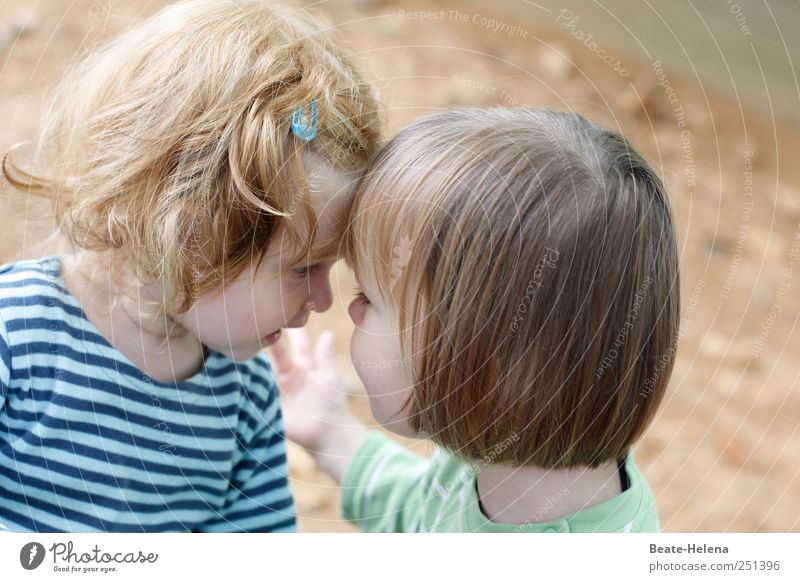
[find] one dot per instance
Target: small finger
(300, 343)
(324, 351)
(281, 356)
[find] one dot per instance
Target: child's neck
(534, 495)
(141, 333)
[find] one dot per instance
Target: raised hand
(314, 409)
(311, 389)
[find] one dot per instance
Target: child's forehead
(327, 243)
(327, 248)
(284, 251)
(326, 182)
(330, 193)
(328, 198)
(328, 239)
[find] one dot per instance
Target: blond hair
(531, 257)
(172, 147)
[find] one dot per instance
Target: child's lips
(270, 339)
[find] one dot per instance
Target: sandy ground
(724, 450)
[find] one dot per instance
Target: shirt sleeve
(258, 498)
(385, 488)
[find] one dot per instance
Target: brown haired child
(519, 308)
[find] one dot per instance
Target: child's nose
(321, 294)
(356, 311)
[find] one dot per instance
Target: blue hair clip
(305, 130)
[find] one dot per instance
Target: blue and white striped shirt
(90, 443)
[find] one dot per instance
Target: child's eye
(361, 297)
(305, 271)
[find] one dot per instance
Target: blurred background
(708, 91)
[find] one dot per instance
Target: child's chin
(240, 354)
(400, 428)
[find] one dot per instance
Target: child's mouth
(270, 339)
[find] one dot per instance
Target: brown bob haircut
(532, 261)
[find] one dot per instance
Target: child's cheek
(357, 355)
